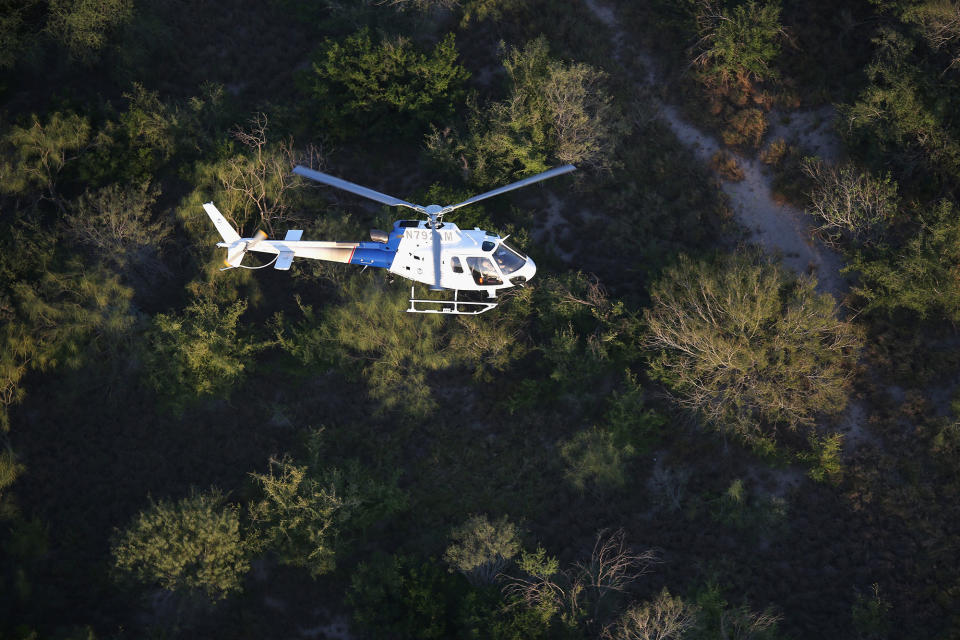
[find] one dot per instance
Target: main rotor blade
(354, 188)
(567, 168)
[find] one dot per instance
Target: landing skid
(451, 307)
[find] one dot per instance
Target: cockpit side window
(508, 259)
(483, 272)
(456, 265)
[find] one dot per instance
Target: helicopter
(432, 252)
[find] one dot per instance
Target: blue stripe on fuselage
(373, 254)
(378, 254)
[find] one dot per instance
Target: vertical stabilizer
(226, 230)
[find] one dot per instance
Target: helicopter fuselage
(446, 256)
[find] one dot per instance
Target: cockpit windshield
(509, 260)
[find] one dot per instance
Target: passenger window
(483, 272)
(455, 263)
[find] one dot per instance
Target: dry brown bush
(725, 164)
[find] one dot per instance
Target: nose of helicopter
(525, 273)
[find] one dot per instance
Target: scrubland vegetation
(668, 434)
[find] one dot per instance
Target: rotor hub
(433, 211)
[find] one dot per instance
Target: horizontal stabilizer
(284, 261)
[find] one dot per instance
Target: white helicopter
(430, 251)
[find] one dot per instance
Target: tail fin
(229, 234)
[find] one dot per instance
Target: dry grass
(726, 165)
(745, 128)
(773, 153)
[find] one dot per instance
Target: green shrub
(922, 275)
(16, 32)
(10, 469)
(200, 352)
(297, 516)
(871, 615)
(746, 510)
(192, 545)
(82, 26)
(592, 456)
(826, 458)
(556, 112)
(740, 44)
(480, 549)
(903, 120)
(364, 85)
(54, 315)
(395, 351)
(716, 616)
(34, 156)
(628, 419)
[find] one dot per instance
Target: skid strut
(451, 307)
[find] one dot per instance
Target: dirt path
(777, 227)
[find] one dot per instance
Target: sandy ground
(811, 129)
(777, 227)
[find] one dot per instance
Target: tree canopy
(747, 346)
(195, 544)
(364, 80)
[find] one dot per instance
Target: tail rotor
(236, 246)
(238, 249)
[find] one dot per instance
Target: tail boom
(343, 252)
(370, 254)
(317, 250)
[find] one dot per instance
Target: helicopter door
(483, 272)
